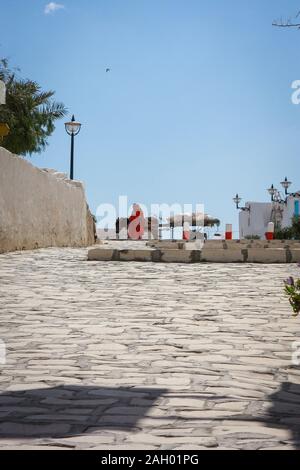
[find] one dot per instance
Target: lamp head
(73, 127)
(237, 199)
(286, 184)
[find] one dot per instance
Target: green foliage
(296, 227)
(283, 233)
(289, 233)
(30, 113)
(292, 286)
(292, 290)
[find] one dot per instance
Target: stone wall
(40, 208)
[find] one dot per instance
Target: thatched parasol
(195, 220)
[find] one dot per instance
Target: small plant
(289, 233)
(292, 290)
(284, 233)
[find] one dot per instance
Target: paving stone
(180, 403)
(231, 406)
(27, 430)
(251, 428)
(163, 441)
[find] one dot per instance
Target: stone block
(268, 256)
(295, 253)
(100, 254)
(214, 244)
(135, 255)
(176, 256)
(168, 244)
(211, 255)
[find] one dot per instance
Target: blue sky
(197, 105)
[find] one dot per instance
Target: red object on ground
(270, 231)
(228, 232)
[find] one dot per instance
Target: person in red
(136, 227)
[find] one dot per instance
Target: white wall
(289, 211)
(255, 221)
(40, 208)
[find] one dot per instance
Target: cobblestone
(139, 355)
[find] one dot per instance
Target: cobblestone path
(150, 356)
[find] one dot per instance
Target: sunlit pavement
(151, 356)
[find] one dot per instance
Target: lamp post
(272, 191)
(237, 199)
(276, 195)
(72, 128)
(286, 184)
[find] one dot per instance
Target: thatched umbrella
(210, 221)
(195, 220)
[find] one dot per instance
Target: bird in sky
(107, 70)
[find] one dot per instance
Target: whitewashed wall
(40, 208)
(255, 222)
(289, 211)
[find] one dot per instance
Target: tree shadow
(66, 411)
(285, 410)
(71, 410)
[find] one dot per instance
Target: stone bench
(225, 244)
(207, 255)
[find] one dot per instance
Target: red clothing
(136, 228)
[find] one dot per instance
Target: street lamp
(272, 191)
(276, 195)
(237, 199)
(286, 184)
(72, 128)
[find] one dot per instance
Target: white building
(254, 219)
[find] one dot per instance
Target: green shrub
(292, 290)
(289, 233)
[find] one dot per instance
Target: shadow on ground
(66, 411)
(284, 411)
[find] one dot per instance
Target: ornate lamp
(237, 200)
(286, 184)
